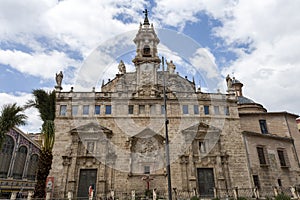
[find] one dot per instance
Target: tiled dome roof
(244, 100)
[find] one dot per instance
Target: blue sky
(256, 41)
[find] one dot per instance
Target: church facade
(114, 140)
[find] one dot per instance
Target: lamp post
(166, 135)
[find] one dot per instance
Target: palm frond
(10, 117)
(44, 102)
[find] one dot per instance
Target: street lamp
(167, 136)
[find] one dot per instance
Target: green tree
(45, 103)
(11, 116)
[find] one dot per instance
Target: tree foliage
(45, 103)
(11, 116)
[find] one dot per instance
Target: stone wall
(270, 173)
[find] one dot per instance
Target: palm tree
(10, 117)
(45, 103)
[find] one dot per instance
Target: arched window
(32, 167)
(146, 51)
(20, 162)
(6, 155)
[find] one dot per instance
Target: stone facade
(114, 140)
(272, 144)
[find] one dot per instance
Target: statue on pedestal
(122, 67)
(229, 82)
(58, 78)
(171, 67)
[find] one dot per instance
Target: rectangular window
(146, 169)
(97, 109)
(282, 158)
(162, 109)
(108, 109)
(263, 126)
(85, 110)
(185, 109)
(256, 181)
(279, 182)
(74, 110)
(142, 109)
(152, 109)
(63, 110)
(261, 155)
(206, 110)
(130, 109)
(216, 110)
(226, 110)
(202, 147)
(196, 109)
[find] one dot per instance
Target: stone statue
(30, 194)
(154, 194)
(112, 194)
(171, 67)
(132, 194)
(122, 67)
(59, 78)
(229, 82)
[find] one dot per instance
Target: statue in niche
(59, 77)
(229, 82)
(122, 67)
(171, 67)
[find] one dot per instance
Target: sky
(256, 41)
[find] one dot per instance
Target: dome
(244, 100)
(246, 105)
(235, 81)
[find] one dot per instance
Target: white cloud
(23, 17)
(84, 24)
(79, 25)
(179, 12)
(271, 31)
(204, 60)
(42, 64)
(271, 71)
(176, 13)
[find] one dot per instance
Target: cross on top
(146, 12)
(146, 21)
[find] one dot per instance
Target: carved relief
(147, 149)
(146, 145)
(145, 77)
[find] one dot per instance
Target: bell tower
(146, 60)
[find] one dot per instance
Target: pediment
(201, 127)
(91, 127)
(200, 131)
(147, 134)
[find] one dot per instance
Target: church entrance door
(206, 182)
(87, 178)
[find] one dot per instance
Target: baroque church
(115, 140)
